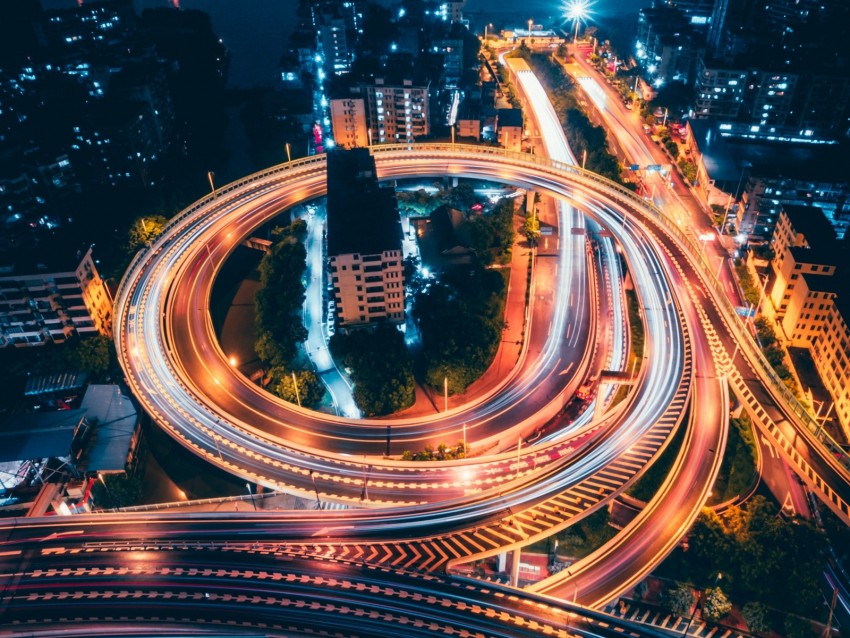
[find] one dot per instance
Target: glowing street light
(577, 10)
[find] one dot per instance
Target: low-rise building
(53, 306)
(509, 128)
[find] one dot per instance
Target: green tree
(774, 354)
(144, 230)
(532, 229)
(689, 170)
(117, 490)
(715, 604)
(95, 355)
(679, 599)
(765, 332)
(280, 298)
(796, 627)
(492, 234)
(460, 320)
(311, 390)
(382, 384)
(755, 615)
(462, 196)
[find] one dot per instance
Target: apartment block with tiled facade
(41, 307)
(811, 303)
(348, 122)
(831, 354)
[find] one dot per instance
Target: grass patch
(636, 339)
(738, 470)
(648, 484)
(579, 540)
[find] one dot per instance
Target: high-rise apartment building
(381, 111)
(667, 45)
(397, 109)
(364, 242)
(811, 298)
(719, 90)
(348, 122)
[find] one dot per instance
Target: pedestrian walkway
(646, 614)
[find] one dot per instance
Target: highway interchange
(279, 573)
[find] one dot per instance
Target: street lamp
(577, 10)
(486, 26)
(316, 489)
(295, 383)
(251, 493)
(288, 156)
(210, 176)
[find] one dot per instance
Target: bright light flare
(577, 10)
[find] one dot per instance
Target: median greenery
(582, 135)
(443, 452)
(654, 476)
(738, 470)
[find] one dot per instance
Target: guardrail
(691, 243)
(585, 177)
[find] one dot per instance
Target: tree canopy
(280, 298)
(381, 368)
(767, 558)
(144, 230)
(460, 319)
(309, 390)
(492, 234)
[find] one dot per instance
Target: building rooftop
(509, 117)
(810, 222)
(113, 418)
(59, 382)
(716, 154)
(820, 283)
(25, 437)
(362, 217)
(818, 164)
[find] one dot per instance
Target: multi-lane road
(307, 570)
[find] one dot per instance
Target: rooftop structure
(114, 421)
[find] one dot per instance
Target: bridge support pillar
(502, 564)
(530, 196)
(515, 567)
